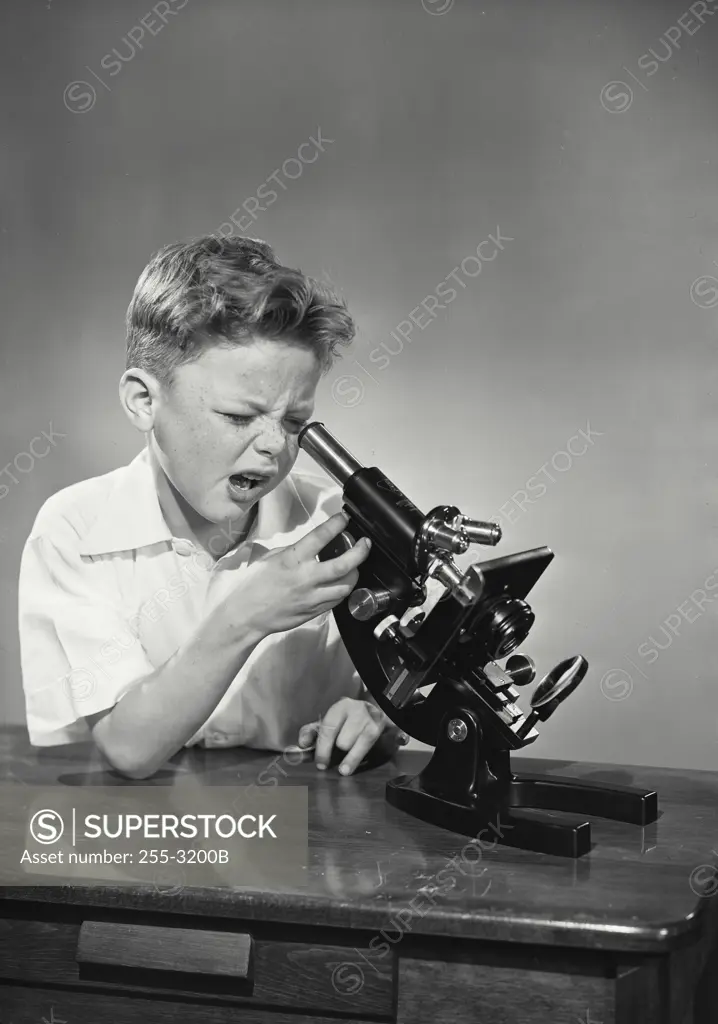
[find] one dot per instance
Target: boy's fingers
(394, 738)
(318, 538)
(326, 734)
(363, 744)
(335, 568)
(350, 732)
(307, 734)
(340, 588)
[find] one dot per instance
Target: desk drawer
(30, 1005)
(211, 963)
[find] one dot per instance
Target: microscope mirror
(560, 681)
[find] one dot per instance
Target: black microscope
(403, 645)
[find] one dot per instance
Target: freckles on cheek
(292, 449)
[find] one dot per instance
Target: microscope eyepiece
(333, 457)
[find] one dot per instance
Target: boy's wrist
(235, 628)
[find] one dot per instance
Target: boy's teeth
(244, 480)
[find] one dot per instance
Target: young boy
(178, 600)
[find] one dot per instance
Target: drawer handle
(181, 950)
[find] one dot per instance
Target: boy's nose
(270, 442)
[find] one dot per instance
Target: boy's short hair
(214, 290)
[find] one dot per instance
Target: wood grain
(368, 861)
(153, 948)
(490, 984)
(482, 994)
(308, 975)
(19, 1005)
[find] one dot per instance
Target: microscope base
(468, 787)
(518, 821)
(501, 824)
(619, 803)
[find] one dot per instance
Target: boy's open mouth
(245, 484)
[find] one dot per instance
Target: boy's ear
(139, 397)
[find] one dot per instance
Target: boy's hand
(290, 586)
(351, 725)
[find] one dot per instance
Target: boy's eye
(294, 426)
(241, 421)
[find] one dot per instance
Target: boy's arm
(139, 715)
(159, 714)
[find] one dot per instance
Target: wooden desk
(619, 936)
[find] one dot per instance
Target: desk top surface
(639, 889)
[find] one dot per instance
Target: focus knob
(365, 603)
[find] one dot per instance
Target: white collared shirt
(107, 595)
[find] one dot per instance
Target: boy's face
(226, 428)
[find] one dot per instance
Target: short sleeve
(67, 618)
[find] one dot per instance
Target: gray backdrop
(549, 127)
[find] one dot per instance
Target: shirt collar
(132, 518)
